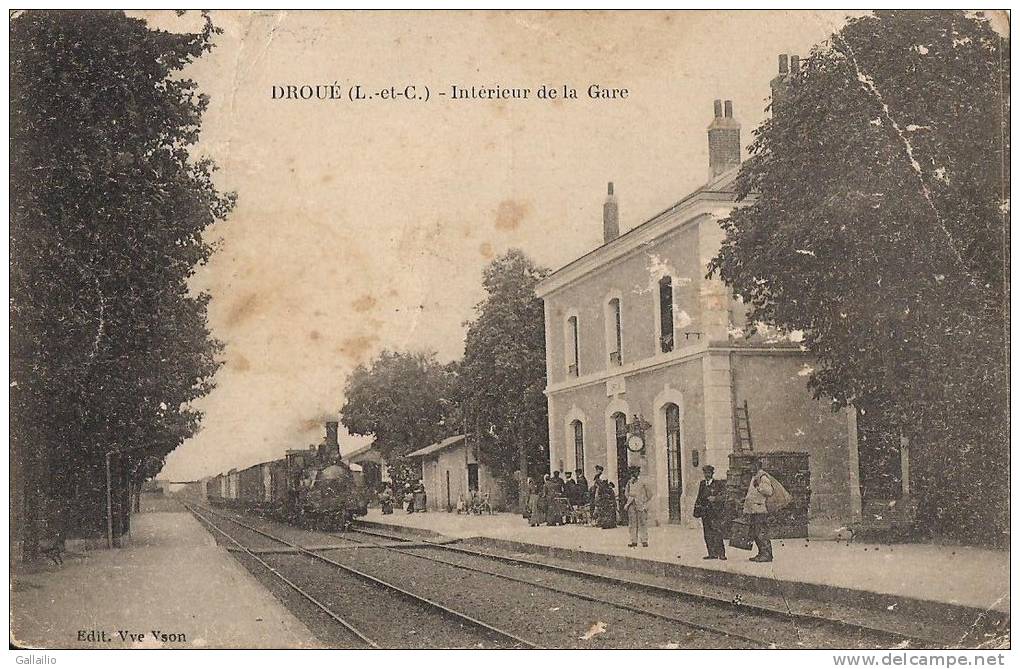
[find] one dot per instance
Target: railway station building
(639, 340)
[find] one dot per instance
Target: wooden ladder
(743, 418)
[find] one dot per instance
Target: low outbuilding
(451, 469)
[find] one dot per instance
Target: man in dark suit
(710, 506)
(570, 492)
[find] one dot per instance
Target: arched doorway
(622, 464)
(674, 476)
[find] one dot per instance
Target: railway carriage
(250, 486)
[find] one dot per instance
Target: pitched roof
(358, 451)
(444, 444)
(723, 186)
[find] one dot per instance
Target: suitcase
(740, 534)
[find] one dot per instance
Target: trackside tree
(408, 400)
(876, 222)
(503, 376)
(404, 400)
(109, 348)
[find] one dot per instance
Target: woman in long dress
(554, 507)
(534, 515)
(542, 500)
(606, 505)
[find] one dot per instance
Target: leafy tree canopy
(109, 348)
(875, 221)
(503, 371)
(404, 400)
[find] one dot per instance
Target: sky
(365, 226)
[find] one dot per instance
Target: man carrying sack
(765, 495)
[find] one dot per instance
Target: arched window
(578, 444)
(673, 446)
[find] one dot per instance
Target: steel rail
(915, 640)
(322, 607)
(686, 622)
(385, 584)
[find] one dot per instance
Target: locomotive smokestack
(331, 445)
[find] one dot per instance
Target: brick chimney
(789, 68)
(723, 140)
(610, 216)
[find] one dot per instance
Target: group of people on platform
(553, 500)
(474, 502)
(413, 498)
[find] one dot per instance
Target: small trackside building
(450, 469)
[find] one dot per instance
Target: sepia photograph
(510, 329)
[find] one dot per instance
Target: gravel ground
(890, 618)
(548, 619)
(794, 633)
(324, 628)
(562, 620)
(388, 618)
(784, 632)
(248, 538)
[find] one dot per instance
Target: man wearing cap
(639, 495)
(710, 506)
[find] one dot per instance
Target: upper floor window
(573, 347)
(666, 314)
(614, 322)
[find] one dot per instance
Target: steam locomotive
(312, 488)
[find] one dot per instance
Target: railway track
(630, 625)
(446, 627)
(417, 551)
(343, 623)
(731, 624)
(739, 612)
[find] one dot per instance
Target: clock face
(635, 443)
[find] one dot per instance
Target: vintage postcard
(510, 330)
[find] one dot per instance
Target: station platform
(171, 580)
(876, 575)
